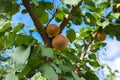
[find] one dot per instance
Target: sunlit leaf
(35, 2)
(21, 54)
(11, 76)
(47, 52)
(72, 2)
(48, 72)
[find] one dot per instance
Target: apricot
(118, 7)
(59, 42)
(101, 36)
(52, 30)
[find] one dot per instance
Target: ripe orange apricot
(52, 30)
(101, 36)
(118, 7)
(59, 42)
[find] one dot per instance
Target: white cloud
(112, 56)
(114, 65)
(112, 48)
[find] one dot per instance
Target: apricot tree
(71, 55)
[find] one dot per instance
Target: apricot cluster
(59, 42)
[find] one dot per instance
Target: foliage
(30, 56)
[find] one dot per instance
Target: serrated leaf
(20, 54)
(47, 52)
(48, 72)
(72, 2)
(71, 35)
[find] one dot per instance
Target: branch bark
(87, 46)
(67, 16)
(37, 23)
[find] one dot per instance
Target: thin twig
(67, 16)
(87, 46)
(54, 12)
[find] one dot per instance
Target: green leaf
(47, 52)
(68, 76)
(103, 24)
(76, 20)
(23, 40)
(89, 3)
(20, 54)
(94, 64)
(69, 53)
(9, 7)
(18, 28)
(92, 56)
(10, 38)
(89, 19)
(57, 69)
(103, 5)
(96, 46)
(43, 17)
(11, 76)
(31, 65)
(67, 67)
(76, 77)
(59, 15)
(35, 2)
(41, 11)
(48, 72)
(90, 76)
(114, 15)
(1, 42)
(6, 27)
(48, 5)
(71, 35)
(72, 2)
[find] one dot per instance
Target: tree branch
(67, 16)
(87, 46)
(37, 23)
